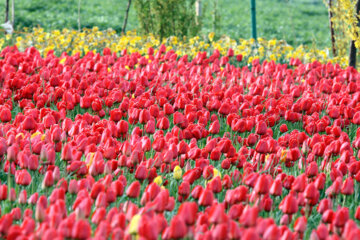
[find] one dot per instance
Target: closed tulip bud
(29, 123)
(249, 216)
(73, 187)
(22, 177)
(134, 224)
(81, 230)
(141, 173)
(348, 186)
(66, 153)
(177, 228)
(324, 205)
(23, 197)
(262, 146)
(184, 189)
(300, 224)
(12, 153)
(158, 180)
(262, 185)
(276, 188)
(289, 205)
(48, 180)
(16, 213)
(357, 213)
(196, 192)
(206, 198)
(341, 217)
(177, 173)
(272, 232)
(133, 190)
(188, 211)
(56, 174)
(40, 212)
(3, 192)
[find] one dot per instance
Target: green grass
(296, 21)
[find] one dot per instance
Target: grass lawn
(297, 21)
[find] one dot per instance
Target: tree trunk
(126, 17)
(215, 17)
(198, 10)
(332, 31)
(7, 10)
(12, 12)
(79, 20)
(352, 55)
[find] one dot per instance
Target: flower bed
(161, 145)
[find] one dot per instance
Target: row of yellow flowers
(72, 41)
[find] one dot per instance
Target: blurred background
(296, 21)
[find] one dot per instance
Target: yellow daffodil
(94, 40)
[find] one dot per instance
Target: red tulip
(22, 177)
(249, 216)
(289, 205)
(29, 123)
(81, 230)
(177, 228)
(48, 180)
(188, 211)
(341, 217)
(262, 185)
(133, 190)
(348, 186)
(206, 198)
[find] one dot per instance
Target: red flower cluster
(116, 146)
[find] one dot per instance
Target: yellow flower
(177, 172)
(34, 134)
(19, 135)
(91, 159)
(158, 180)
(211, 36)
(134, 224)
(283, 155)
(216, 173)
(62, 61)
(43, 137)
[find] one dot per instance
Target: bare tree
(126, 17)
(12, 12)
(198, 9)
(79, 23)
(6, 10)
(332, 31)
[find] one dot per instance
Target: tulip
(206, 198)
(262, 185)
(81, 230)
(22, 177)
(177, 173)
(177, 228)
(48, 180)
(133, 190)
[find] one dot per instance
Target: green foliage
(167, 17)
(296, 21)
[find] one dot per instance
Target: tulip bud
(177, 172)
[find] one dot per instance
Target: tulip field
(149, 140)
